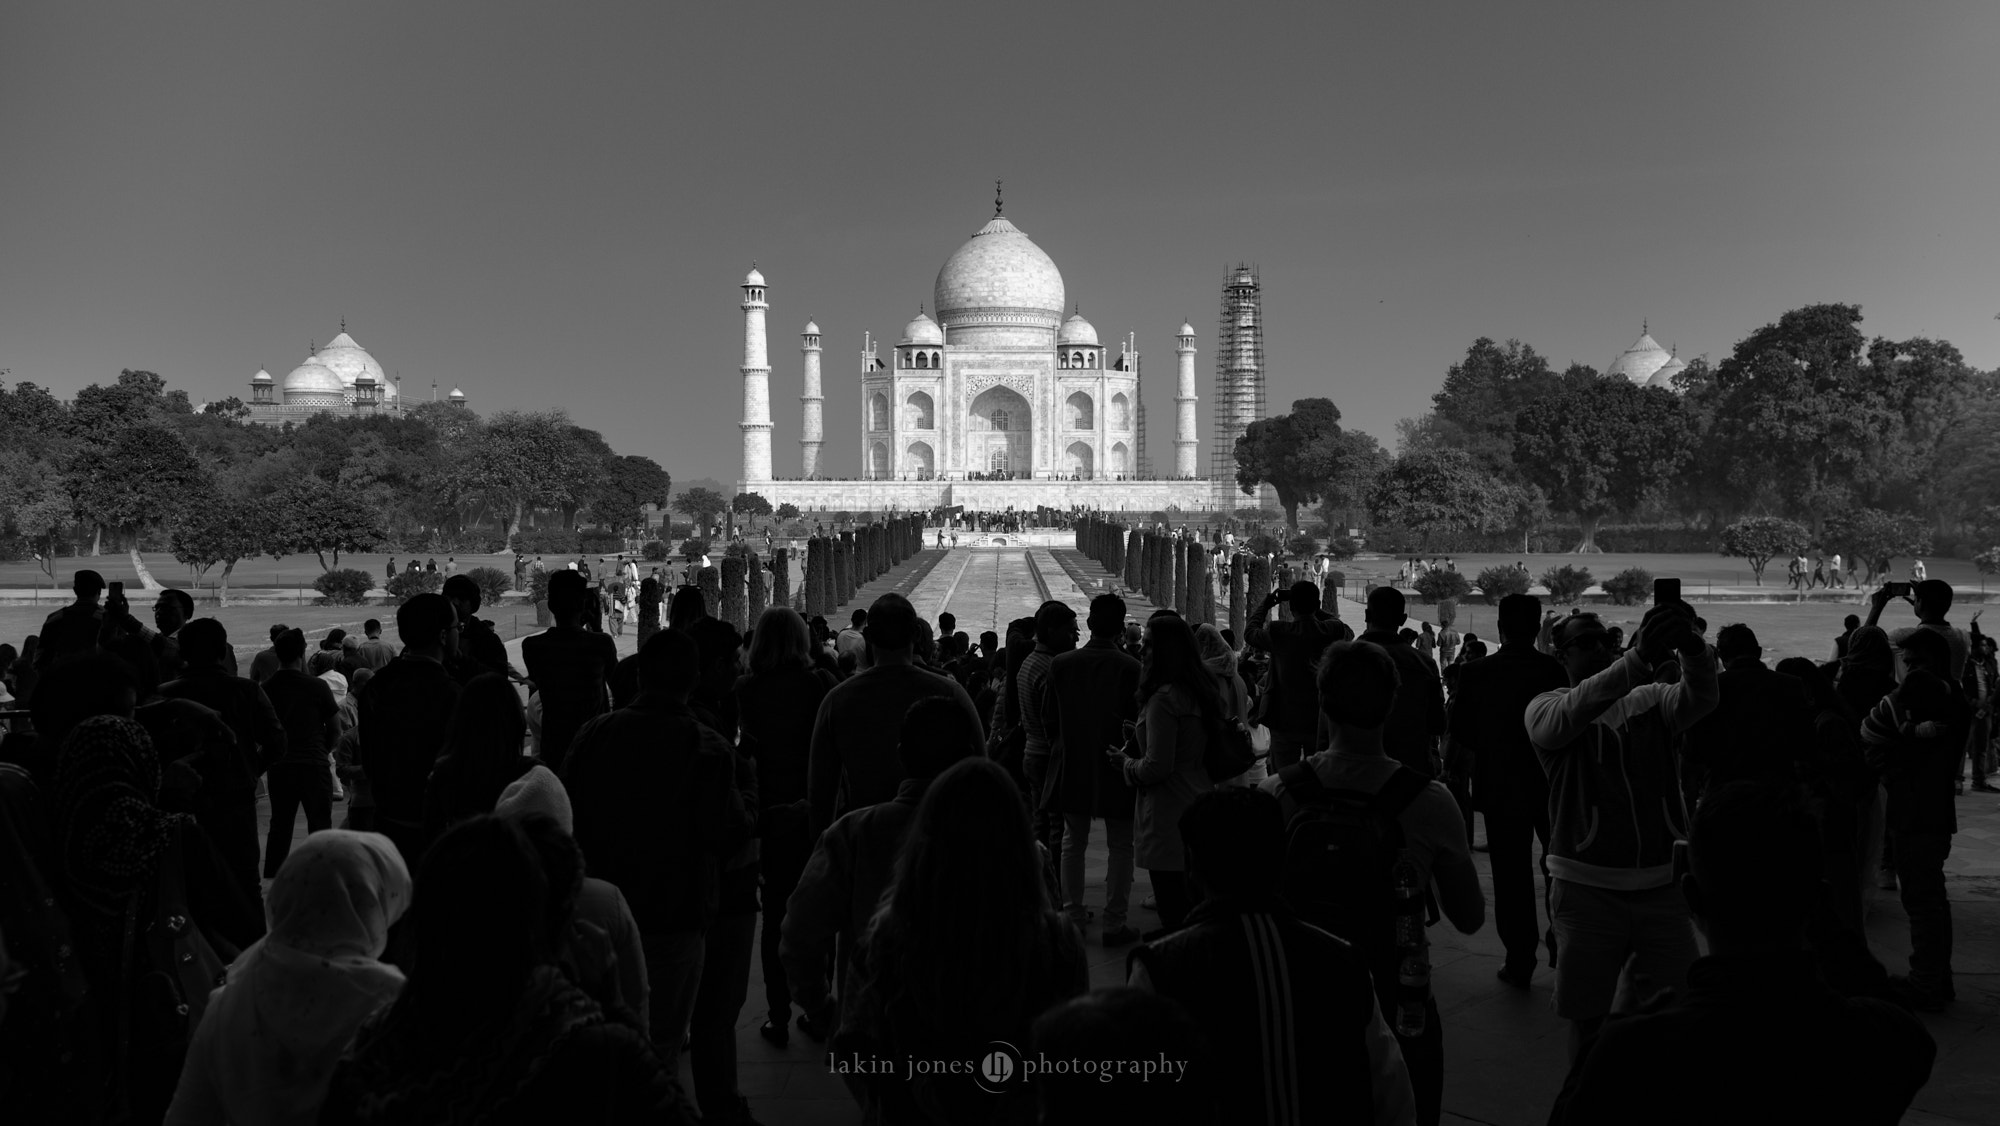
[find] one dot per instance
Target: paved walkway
(1504, 1048)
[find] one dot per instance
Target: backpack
(1342, 849)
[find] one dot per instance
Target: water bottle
(1408, 908)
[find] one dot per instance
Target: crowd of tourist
(549, 884)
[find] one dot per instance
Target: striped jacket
(1289, 1012)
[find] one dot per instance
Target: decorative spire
(996, 198)
(1645, 327)
(343, 324)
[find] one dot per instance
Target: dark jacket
(403, 712)
(1088, 695)
(69, 632)
(480, 650)
(657, 810)
(570, 668)
(304, 704)
(1295, 648)
(1289, 1013)
(775, 712)
(1752, 1039)
(842, 883)
(260, 737)
(1418, 718)
(853, 761)
(1489, 727)
(1761, 727)
(1917, 759)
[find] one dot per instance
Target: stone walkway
(1504, 1048)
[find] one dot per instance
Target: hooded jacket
(1608, 747)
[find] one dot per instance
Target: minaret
(1184, 442)
(810, 442)
(756, 424)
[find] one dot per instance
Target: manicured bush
(1302, 545)
(1566, 583)
(598, 541)
(1263, 543)
(1438, 584)
(693, 549)
(1341, 547)
(492, 583)
(654, 551)
(1630, 586)
(1498, 582)
(407, 584)
(345, 587)
(546, 541)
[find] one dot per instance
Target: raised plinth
(987, 496)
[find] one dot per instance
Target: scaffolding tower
(1239, 382)
(1143, 466)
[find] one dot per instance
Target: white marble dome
(753, 277)
(811, 329)
(1639, 362)
(1186, 329)
(348, 360)
(312, 382)
(923, 330)
(262, 376)
(1665, 376)
(999, 277)
(1076, 330)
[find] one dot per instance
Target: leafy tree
(138, 479)
(701, 505)
(312, 516)
(41, 517)
(1482, 395)
(1435, 492)
(1296, 454)
(230, 408)
(618, 498)
(788, 511)
(1599, 446)
(1875, 538)
(752, 505)
(219, 528)
(1759, 538)
(1345, 501)
(527, 458)
(693, 548)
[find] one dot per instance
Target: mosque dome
(999, 278)
(1186, 329)
(1076, 330)
(923, 330)
(1639, 362)
(262, 376)
(348, 360)
(456, 395)
(1665, 376)
(314, 384)
(753, 277)
(811, 329)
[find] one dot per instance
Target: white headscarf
(272, 1034)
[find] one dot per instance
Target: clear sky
(553, 204)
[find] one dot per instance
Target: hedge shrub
(1438, 584)
(1630, 586)
(1340, 547)
(493, 583)
(1498, 582)
(408, 584)
(1566, 583)
(546, 541)
(597, 541)
(345, 587)
(654, 551)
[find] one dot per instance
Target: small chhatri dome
(1186, 329)
(1076, 330)
(753, 278)
(1639, 362)
(262, 376)
(923, 330)
(812, 329)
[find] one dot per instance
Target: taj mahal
(991, 399)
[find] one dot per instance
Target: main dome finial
(996, 198)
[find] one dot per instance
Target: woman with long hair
(649, 608)
(1220, 661)
(272, 1034)
(965, 949)
(776, 704)
(688, 607)
(1179, 712)
(488, 1029)
(482, 754)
